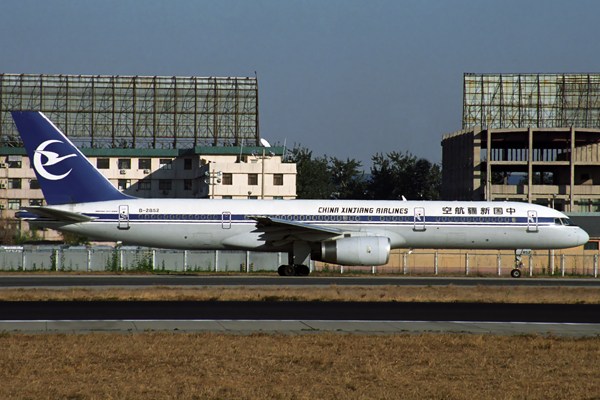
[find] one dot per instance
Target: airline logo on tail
(52, 159)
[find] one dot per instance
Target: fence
(126, 258)
(419, 262)
(479, 263)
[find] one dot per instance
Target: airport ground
(308, 365)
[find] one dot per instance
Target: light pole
(262, 158)
(210, 181)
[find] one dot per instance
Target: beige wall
(202, 185)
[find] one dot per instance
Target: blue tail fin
(64, 173)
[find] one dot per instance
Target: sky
(346, 79)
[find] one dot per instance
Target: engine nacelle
(360, 250)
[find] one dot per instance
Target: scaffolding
(136, 111)
(504, 101)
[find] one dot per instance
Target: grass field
(323, 366)
(486, 294)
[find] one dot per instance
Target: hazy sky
(343, 78)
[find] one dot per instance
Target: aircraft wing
(58, 215)
(284, 223)
(280, 231)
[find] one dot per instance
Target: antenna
(264, 142)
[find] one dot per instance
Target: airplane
(81, 200)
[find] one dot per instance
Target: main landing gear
(293, 270)
(298, 259)
(516, 272)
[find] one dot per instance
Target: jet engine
(360, 250)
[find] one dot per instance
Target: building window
(36, 202)
(165, 163)
(144, 163)
(278, 179)
(253, 197)
(591, 245)
(277, 197)
(144, 184)
(187, 184)
(226, 197)
(34, 184)
(14, 183)
(14, 204)
(585, 177)
(227, 179)
(583, 205)
(124, 184)
(103, 163)
(13, 161)
(187, 163)
(124, 163)
(252, 179)
(164, 184)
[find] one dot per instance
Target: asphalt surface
(579, 320)
(298, 310)
(295, 318)
(57, 281)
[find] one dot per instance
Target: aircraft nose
(582, 237)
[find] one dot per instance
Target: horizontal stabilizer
(58, 215)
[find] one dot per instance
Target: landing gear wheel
(286, 270)
(515, 273)
(302, 270)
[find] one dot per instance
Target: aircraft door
(419, 219)
(226, 220)
(123, 217)
(532, 221)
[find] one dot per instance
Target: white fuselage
(227, 224)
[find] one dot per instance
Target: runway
(102, 281)
(298, 317)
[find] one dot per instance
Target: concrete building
(555, 167)
(201, 172)
(527, 137)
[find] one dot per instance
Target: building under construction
(527, 137)
(137, 112)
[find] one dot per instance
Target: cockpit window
(557, 221)
(567, 221)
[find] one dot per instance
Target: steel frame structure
(136, 111)
(531, 100)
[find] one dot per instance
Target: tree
(8, 231)
(74, 240)
(347, 179)
(395, 175)
(392, 176)
(313, 179)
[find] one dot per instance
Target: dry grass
(486, 294)
(324, 366)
